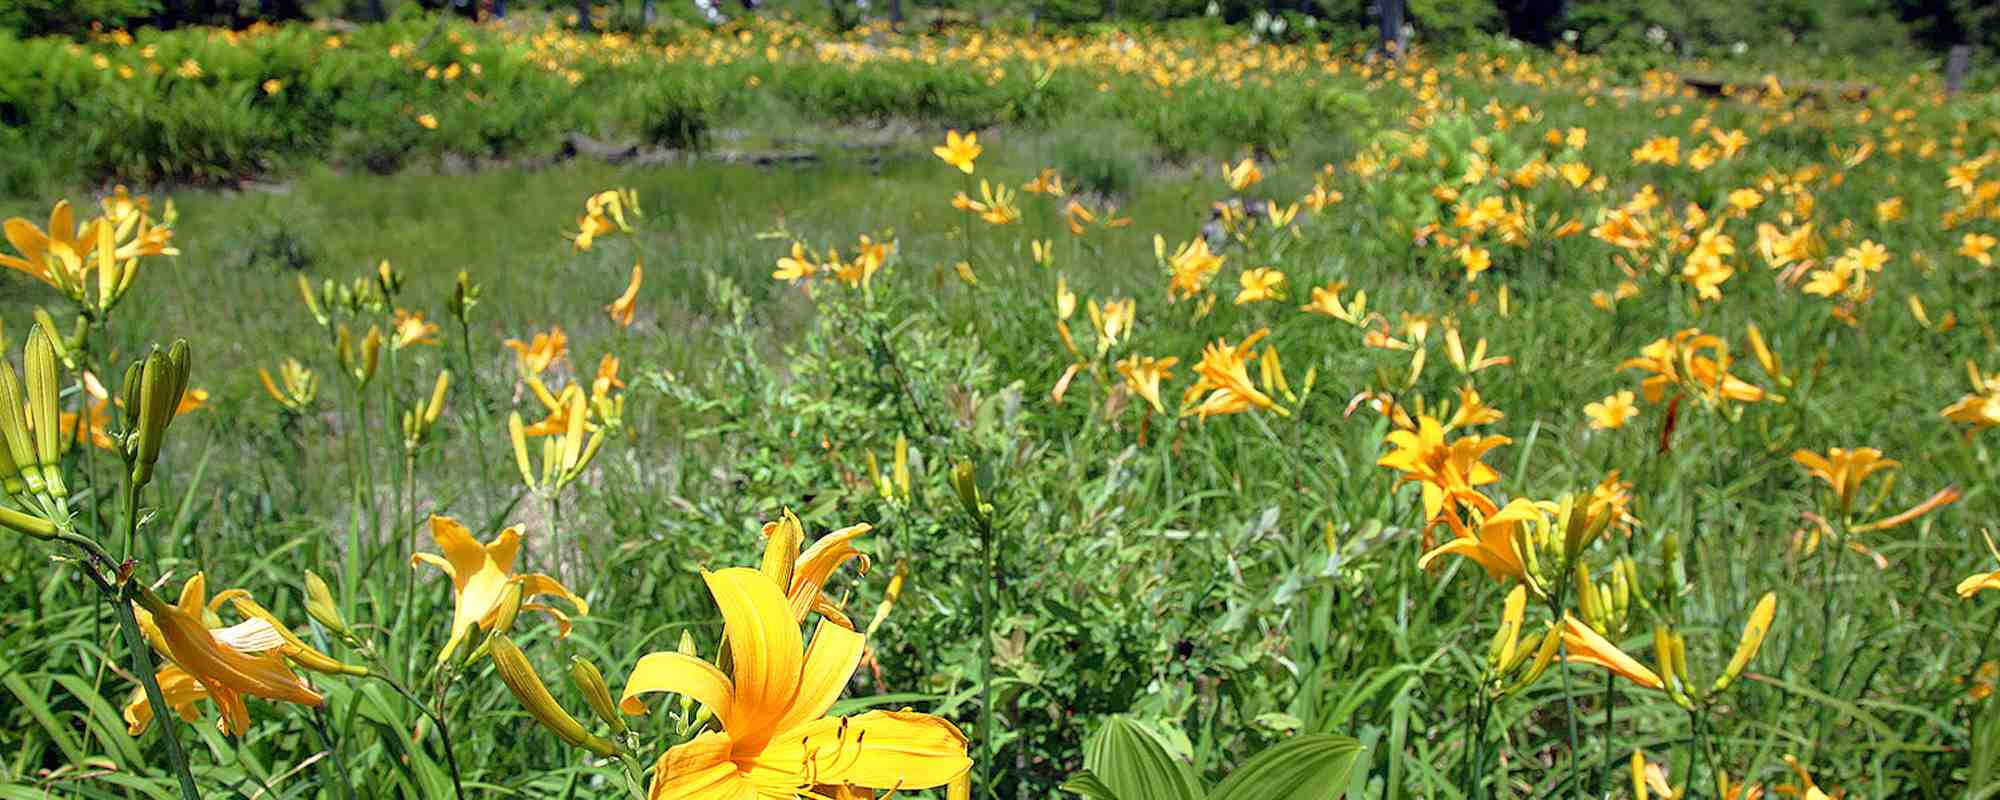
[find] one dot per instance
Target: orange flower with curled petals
(1143, 375)
(1224, 373)
(1585, 646)
(1490, 540)
(222, 664)
(1843, 470)
(480, 575)
(1449, 471)
(776, 740)
(623, 309)
(535, 356)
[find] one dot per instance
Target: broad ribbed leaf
(1130, 761)
(1087, 786)
(1311, 767)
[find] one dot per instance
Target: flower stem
(142, 667)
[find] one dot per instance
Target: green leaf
(1311, 767)
(1131, 762)
(1086, 785)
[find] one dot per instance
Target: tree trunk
(1956, 65)
(1390, 14)
(648, 13)
(895, 15)
(583, 20)
(499, 9)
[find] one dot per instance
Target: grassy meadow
(1264, 420)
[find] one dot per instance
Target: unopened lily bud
(436, 406)
(1754, 632)
(295, 649)
(129, 391)
(1663, 662)
(1587, 600)
(965, 480)
(1545, 654)
(960, 787)
(46, 323)
(388, 279)
(509, 608)
(1509, 633)
(902, 474)
(320, 605)
(312, 301)
(26, 524)
(782, 541)
(371, 353)
(42, 395)
(588, 680)
(520, 677)
(889, 597)
(464, 296)
(162, 382)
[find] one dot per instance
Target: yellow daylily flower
(1492, 546)
(1611, 412)
(1975, 584)
(480, 575)
(535, 356)
(1843, 470)
(1260, 284)
(1447, 470)
(1143, 375)
(411, 330)
(960, 151)
(1224, 373)
(222, 664)
(776, 740)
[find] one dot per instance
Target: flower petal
(830, 662)
(700, 769)
(680, 673)
(900, 750)
(765, 643)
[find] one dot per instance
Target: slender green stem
(479, 421)
(1610, 729)
(142, 667)
(444, 741)
(339, 765)
(1569, 705)
(1829, 572)
(990, 590)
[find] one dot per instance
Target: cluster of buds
(296, 387)
(564, 457)
(418, 419)
(1670, 657)
(332, 302)
(527, 687)
(1509, 667)
(894, 487)
(464, 296)
(358, 361)
(1551, 543)
(112, 244)
(153, 390)
(1606, 606)
(30, 443)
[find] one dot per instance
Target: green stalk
(140, 651)
(1829, 572)
(1610, 727)
(338, 767)
(480, 426)
(990, 590)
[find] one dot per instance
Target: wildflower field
(1120, 414)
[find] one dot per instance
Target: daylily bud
(371, 353)
(312, 301)
(889, 596)
(902, 474)
(782, 540)
(387, 278)
(25, 523)
(320, 605)
(1663, 662)
(509, 608)
(590, 682)
(47, 325)
(1504, 640)
(296, 649)
(1545, 654)
(960, 787)
(42, 396)
(965, 480)
(464, 296)
(162, 383)
(1754, 632)
(520, 677)
(17, 466)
